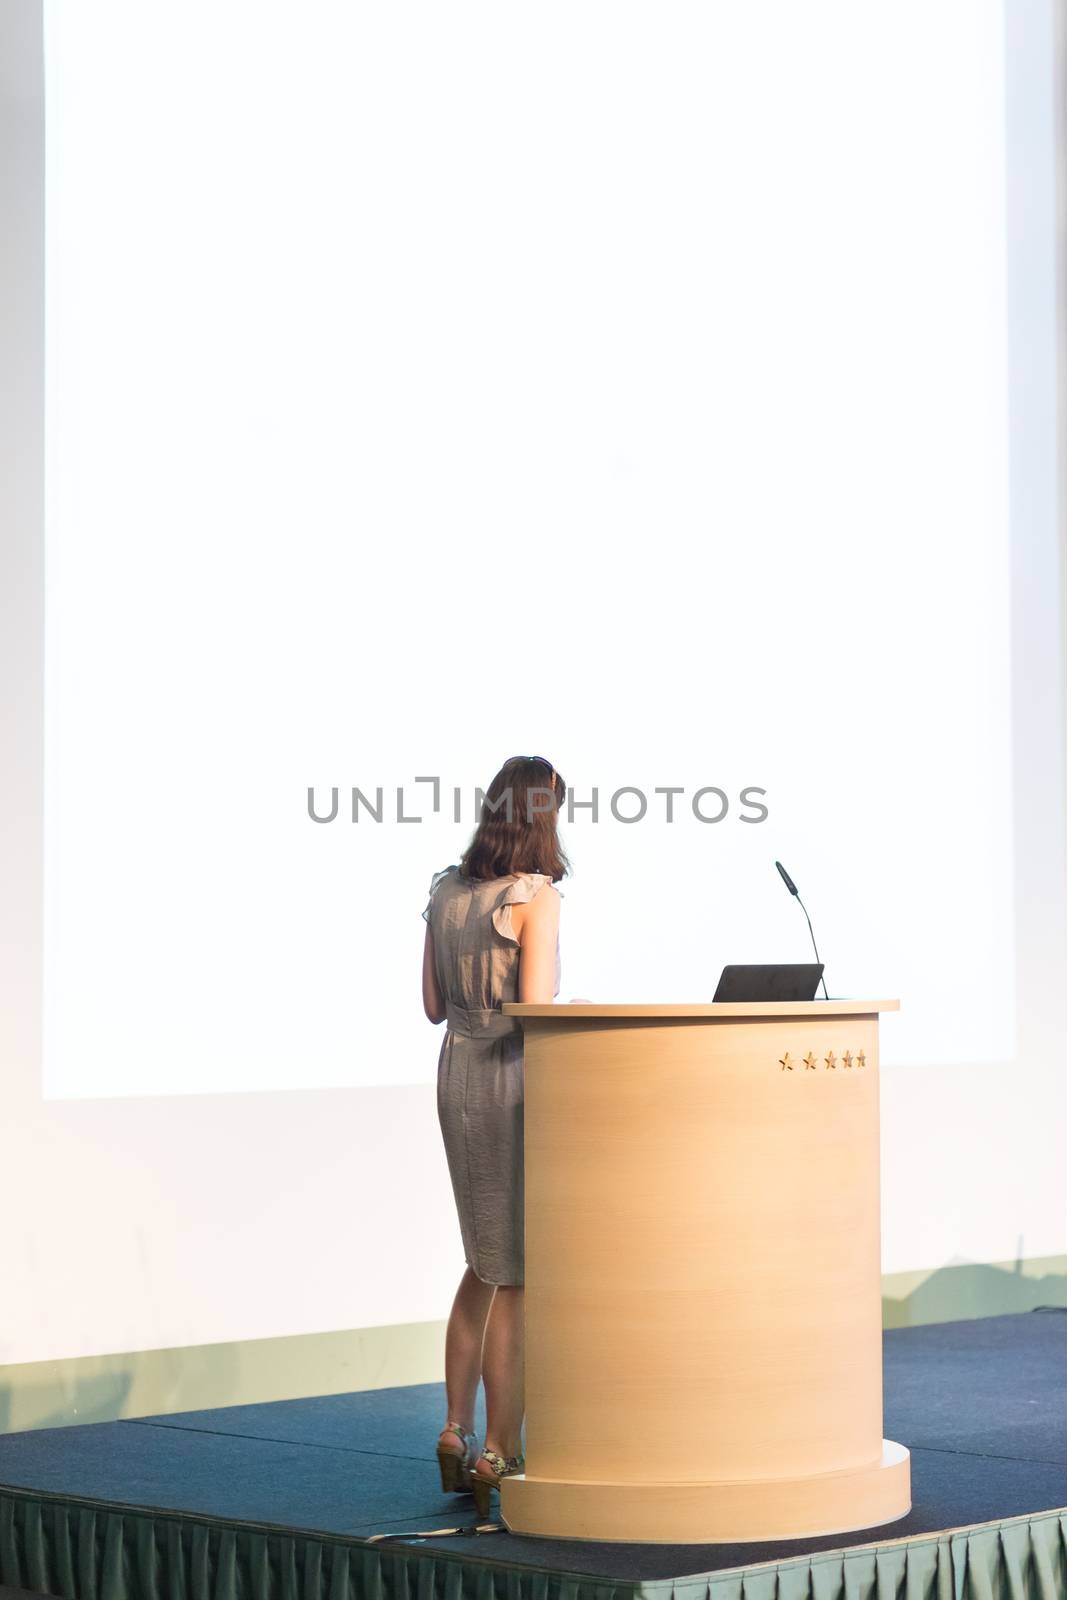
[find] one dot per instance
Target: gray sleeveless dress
(479, 1070)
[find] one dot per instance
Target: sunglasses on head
(545, 763)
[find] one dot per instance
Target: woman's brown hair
(517, 828)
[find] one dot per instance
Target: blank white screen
(429, 384)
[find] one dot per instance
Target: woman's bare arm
(537, 945)
(433, 1001)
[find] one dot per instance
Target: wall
(122, 1213)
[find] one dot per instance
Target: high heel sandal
(456, 1465)
(482, 1485)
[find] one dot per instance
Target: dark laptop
(783, 982)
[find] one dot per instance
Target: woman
(492, 935)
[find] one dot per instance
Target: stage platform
(284, 1501)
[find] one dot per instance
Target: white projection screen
(427, 384)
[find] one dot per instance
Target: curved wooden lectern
(703, 1274)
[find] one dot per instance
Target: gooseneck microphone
(793, 890)
(787, 880)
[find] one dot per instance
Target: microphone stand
(814, 946)
(795, 892)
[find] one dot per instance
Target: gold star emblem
(847, 1058)
(831, 1060)
(809, 1061)
(861, 1059)
(787, 1062)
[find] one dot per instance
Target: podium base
(737, 1512)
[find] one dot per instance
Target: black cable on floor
(440, 1533)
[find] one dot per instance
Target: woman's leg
(463, 1350)
(502, 1369)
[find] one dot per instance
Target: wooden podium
(703, 1275)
